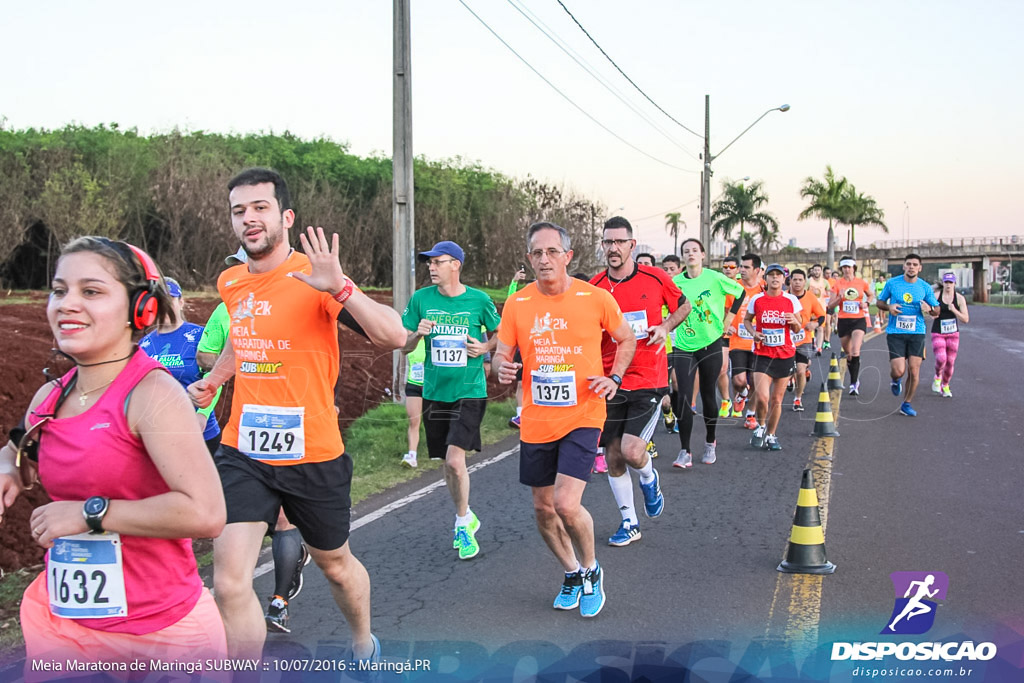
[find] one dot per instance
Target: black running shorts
(776, 368)
(453, 424)
(848, 326)
(905, 345)
(633, 412)
(741, 361)
(315, 496)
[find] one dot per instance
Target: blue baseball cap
(776, 266)
(446, 248)
(173, 288)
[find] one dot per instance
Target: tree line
(167, 194)
(741, 206)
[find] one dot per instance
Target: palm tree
(860, 209)
(769, 237)
(739, 205)
(672, 223)
(826, 202)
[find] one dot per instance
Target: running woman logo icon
(914, 608)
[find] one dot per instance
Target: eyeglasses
(616, 243)
(437, 262)
(550, 253)
(729, 266)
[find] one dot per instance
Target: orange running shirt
(812, 310)
(740, 339)
(285, 337)
(559, 338)
(852, 297)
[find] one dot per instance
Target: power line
(657, 106)
(554, 38)
(662, 213)
(568, 99)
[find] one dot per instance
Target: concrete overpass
(979, 252)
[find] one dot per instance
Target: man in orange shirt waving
(282, 447)
(556, 323)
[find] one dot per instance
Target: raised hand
(326, 274)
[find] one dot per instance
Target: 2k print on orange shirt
(559, 338)
(285, 337)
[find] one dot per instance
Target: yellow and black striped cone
(835, 380)
(806, 552)
(823, 424)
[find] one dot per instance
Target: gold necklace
(83, 395)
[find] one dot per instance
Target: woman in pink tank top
(121, 455)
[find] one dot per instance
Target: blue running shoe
(896, 386)
(569, 596)
(368, 669)
(592, 600)
(654, 501)
(908, 410)
(626, 534)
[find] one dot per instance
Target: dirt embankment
(26, 344)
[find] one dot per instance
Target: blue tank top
(176, 351)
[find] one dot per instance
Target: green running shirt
(448, 372)
(707, 293)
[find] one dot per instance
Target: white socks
(622, 491)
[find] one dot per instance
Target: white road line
(268, 565)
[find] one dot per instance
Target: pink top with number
(96, 454)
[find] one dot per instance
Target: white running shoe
(709, 454)
(684, 460)
(409, 460)
(946, 393)
(937, 385)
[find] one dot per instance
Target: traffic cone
(878, 323)
(806, 551)
(823, 424)
(835, 380)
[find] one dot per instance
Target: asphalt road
(936, 492)
(940, 492)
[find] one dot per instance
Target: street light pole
(705, 194)
(705, 180)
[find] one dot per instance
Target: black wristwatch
(94, 510)
(616, 379)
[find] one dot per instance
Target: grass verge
(12, 585)
(377, 440)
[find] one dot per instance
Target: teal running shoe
(569, 596)
(592, 600)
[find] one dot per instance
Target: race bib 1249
(272, 432)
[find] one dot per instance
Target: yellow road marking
(798, 626)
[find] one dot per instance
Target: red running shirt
(640, 296)
(770, 320)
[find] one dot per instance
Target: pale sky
(914, 102)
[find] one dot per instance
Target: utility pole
(403, 272)
(705, 189)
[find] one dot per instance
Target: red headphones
(142, 304)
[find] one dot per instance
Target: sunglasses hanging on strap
(26, 457)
